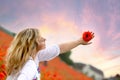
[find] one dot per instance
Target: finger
(89, 43)
(92, 33)
(93, 36)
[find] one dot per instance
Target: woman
(28, 49)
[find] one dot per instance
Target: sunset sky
(65, 20)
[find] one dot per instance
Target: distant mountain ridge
(117, 77)
(7, 31)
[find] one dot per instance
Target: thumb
(89, 43)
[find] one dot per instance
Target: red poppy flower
(3, 66)
(2, 76)
(1, 59)
(87, 36)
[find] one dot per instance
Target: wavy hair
(22, 47)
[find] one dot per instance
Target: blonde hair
(22, 47)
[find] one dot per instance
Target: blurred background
(65, 20)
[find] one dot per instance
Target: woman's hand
(86, 38)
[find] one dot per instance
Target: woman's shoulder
(29, 70)
(29, 65)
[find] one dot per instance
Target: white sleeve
(28, 72)
(48, 53)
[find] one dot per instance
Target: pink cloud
(111, 28)
(116, 36)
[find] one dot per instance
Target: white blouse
(30, 69)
